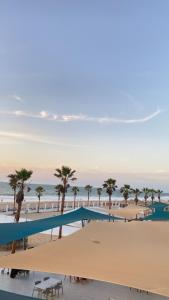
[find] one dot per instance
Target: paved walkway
(90, 290)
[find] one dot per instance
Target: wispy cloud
(35, 138)
(83, 118)
(134, 102)
(17, 98)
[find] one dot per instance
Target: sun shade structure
(133, 254)
(158, 216)
(16, 231)
(159, 213)
(11, 296)
(128, 212)
(160, 206)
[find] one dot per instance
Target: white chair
(35, 288)
(58, 287)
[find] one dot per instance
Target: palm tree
(136, 193)
(22, 175)
(146, 192)
(65, 174)
(152, 192)
(75, 190)
(39, 192)
(110, 186)
(126, 190)
(59, 191)
(13, 182)
(99, 192)
(88, 188)
(159, 192)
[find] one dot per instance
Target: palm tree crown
(23, 175)
(88, 188)
(126, 191)
(159, 192)
(39, 192)
(99, 192)
(110, 186)
(65, 174)
(13, 182)
(75, 190)
(136, 193)
(59, 190)
(152, 192)
(146, 192)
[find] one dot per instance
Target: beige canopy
(134, 254)
(128, 212)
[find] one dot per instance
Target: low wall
(55, 206)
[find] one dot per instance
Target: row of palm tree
(66, 175)
(109, 186)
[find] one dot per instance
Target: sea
(6, 194)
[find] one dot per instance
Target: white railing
(55, 206)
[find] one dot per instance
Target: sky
(85, 84)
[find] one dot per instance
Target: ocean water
(6, 194)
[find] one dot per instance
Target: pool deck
(89, 290)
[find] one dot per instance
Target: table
(49, 283)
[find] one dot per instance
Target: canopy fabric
(158, 216)
(16, 231)
(159, 206)
(133, 254)
(11, 296)
(128, 212)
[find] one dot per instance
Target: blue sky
(85, 83)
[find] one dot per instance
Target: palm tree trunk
(152, 200)
(125, 199)
(61, 212)
(14, 201)
(110, 202)
(58, 201)
(136, 200)
(99, 200)
(13, 247)
(17, 217)
(38, 204)
(74, 201)
(109, 206)
(88, 200)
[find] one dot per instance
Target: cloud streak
(34, 138)
(17, 98)
(80, 118)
